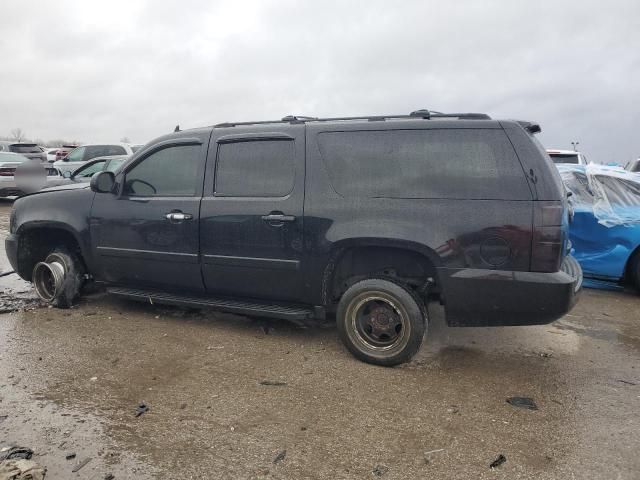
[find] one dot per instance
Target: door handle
(178, 217)
(277, 219)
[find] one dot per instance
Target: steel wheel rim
(47, 279)
(378, 322)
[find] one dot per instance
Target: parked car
(83, 154)
(86, 171)
(567, 156)
(605, 232)
(64, 151)
(9, 187)
(51, 154)
(29, 150)
(360, 218)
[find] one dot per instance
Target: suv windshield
(25, 148)
(565, 158)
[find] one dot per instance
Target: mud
(226, 399)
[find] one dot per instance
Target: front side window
(262, 168)
(172, 171)
(115, 164)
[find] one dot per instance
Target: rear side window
(94, 151)
(264, 168)
(565, 158)
(25, 148)
(447, 163)
(172, 171)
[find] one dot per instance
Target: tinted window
(565, 158)
(172, 171)
(448, 163)
(25, 148)
(94, 151)
(262, 168)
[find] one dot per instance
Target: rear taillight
(7, 172)
(549, 227)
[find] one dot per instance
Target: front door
(252, 214)
(147, 235)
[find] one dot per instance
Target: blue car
(605, 231)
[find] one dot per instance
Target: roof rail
(423, 113)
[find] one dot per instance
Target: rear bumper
(477, 297)
(8, 187)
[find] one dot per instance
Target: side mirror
(66, 174)
(103, 182)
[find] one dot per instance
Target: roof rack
(423, 113)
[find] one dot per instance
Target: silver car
(9, 187)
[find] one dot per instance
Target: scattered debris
(498, 461)
(141, 408)
(434, 451)
(69, 456)
(627, 382)
(81, 464)
(183, 406)
(522, 402)
(273, 383)
(21, 469)
(3, 417)
(109, 476)
(380, 470)
(93, 379)
(280, 457)
(17, 453)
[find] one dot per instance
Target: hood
(60, 188)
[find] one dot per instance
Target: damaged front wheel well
(36, 243)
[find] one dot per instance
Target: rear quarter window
(439, 163)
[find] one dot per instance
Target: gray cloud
(100, 71)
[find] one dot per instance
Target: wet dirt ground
(232, 397)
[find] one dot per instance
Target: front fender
(66, 210)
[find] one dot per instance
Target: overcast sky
(99, 71)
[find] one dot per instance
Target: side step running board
(226, 305)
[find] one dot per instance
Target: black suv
(363, 218)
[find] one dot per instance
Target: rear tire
(381, 322)
(634, 270)
(73, 279)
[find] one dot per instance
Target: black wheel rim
(378, 322)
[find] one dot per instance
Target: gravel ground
(232, 397)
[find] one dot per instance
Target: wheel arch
(368, 248)
(37, 239)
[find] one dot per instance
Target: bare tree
(17, 134)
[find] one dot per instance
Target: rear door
(252, 214)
